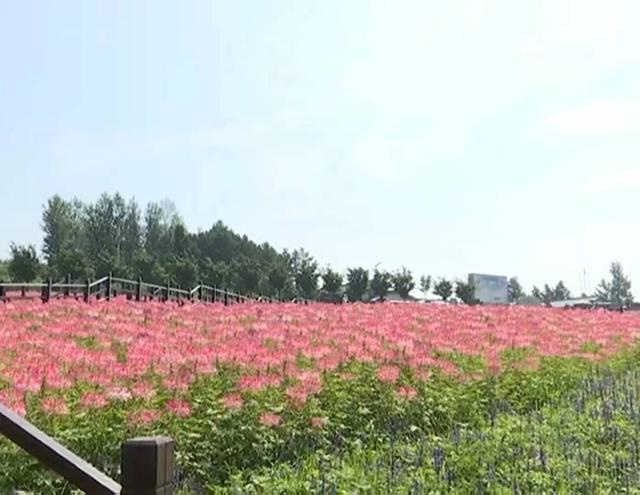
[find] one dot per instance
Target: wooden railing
(109, 287)
(146, 464)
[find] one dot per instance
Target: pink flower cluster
(117, 347)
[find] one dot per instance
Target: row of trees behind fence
(112, 235)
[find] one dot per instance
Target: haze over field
(448, 137)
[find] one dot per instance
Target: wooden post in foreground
(147, 466)
(139, 290)
(87, 291)
(47, 294)
(109, 285)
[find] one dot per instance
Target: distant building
(394, 297)
(581, 302)
(489, 289)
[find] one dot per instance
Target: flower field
(332, 399)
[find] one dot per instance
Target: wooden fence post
(139, 290)
(147, 466)
(201, 294)
(166, 294)
(226, 297)
(47, 294)
(109, 281)
(1, 289)
(87, 291)
(67, 281)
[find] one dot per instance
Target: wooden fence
(109, 287)
(146, 463)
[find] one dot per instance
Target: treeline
(113, 235)
(616, 290)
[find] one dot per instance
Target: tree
(215, 273)
(403, 282)
(305, 273)
(425, 284)
(331, 285)
(618, 290)
(183, 271)
(4, 270)
(443, 288)
(545, 296)
(561, 293)
(24, 265)
(246, 274)
(149, 268)
(64, 243)
(131, 235)
(157, 224)
(380, 284)
(279, 280)
(357, 283)
(514, 290)
(465, 291)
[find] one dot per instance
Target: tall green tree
(618, 290)
(380, 284)
(403, 282)
(465, 291)
(104, 227)
(149, 268)
(331, 285)
(305, 273)
(279, 283)
(246, 275)
(183, 271)
(64, 243)
(131, 241)
(425, 284)
(443, 288)
(24, 265)
(4, 270)
(357, 283)
(514, 290)
(545, 296)
(560, 292)
(158, 221)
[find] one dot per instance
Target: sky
(450, 137)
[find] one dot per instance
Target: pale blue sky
(449, 136)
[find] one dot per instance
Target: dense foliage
(85, 240)
(324, 398)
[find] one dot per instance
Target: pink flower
(143, 390)
(233, 401)
(143, 417)
(319, 422)
(298, 394)
(408, 393)
(270, 419)
(119, 394)
(389, 374)
(55, 405)
(179, 407)
(93, 400)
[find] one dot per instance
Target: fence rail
(109, 287)
(146, 464)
